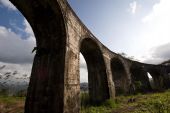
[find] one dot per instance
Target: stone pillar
(54, 85)
(46, 88)
(111, 84)
(72, 83)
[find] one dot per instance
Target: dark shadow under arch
(46, 87)
(158, 78)
(151, 81)
(166, 80)
(119, 76)
(140, 79)
(97, 77)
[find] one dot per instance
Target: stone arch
(140, 79)
(46, 87)
(119, 76)
(97, 77)
(158, 79)
(151, 80)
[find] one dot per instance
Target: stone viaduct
(55, 79)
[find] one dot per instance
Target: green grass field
(140, 103)
(147, 103)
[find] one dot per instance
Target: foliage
(120, 91)
(147, 103)
(85, 100)
(87, 107)
(3, 91)
(140, 103)
(128, 57)
(110, 103)
(167, 62)
(138, 86)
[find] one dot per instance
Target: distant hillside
(166, 62)
(12, 83)
(84, 86)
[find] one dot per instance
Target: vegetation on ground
(11, 104)
(139, 103)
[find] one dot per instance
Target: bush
(109, 103)
(85, 100)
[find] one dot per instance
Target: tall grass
(88, 107)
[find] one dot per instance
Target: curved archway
(140, 79)
(158, 78)
(97, 77)
(151, 80)
(120, 76)
(46, 88)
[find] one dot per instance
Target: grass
(105, 107)
(139, 103)
(87, 107)
(11, 104)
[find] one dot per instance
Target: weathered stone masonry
(60, 37)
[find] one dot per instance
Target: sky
(138, 28)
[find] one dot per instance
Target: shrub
(109, 103)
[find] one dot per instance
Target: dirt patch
(14, 107)
(124, 109)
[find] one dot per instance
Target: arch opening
(97, 77)
(140, 79)
(83, 70)
(84, 91)
(159, 80)
(119, 76)
(151, 80)
(16, 43)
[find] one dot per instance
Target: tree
(128, 57)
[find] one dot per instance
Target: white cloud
(162, 51)
(13, 48)
(82, 62)
(15, 52)
(8, 4)
(133, 7)
(20, 68)
(158, 54)
(157, 24)
(159, 13)
(83, 69)
(156, 33)
(83, 75)
(28, 28)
